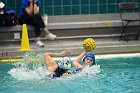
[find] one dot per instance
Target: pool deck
(74, 44)
(71, 31)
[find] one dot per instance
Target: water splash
(33, 67)
(89, 71)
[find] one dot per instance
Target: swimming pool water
(119, 74)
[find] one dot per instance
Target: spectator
(29, 14)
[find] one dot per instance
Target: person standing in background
(29, 14)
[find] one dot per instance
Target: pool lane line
(10, 60)
(103, 56)
(31, 60)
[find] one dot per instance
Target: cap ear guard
(65, 63)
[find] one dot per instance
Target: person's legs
(30, 21)
(39, 21)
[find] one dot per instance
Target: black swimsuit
(59, 72)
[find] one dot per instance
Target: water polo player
(61, 69)
(58, 69)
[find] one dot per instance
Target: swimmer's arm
(76, 62)
(52, 65)
(61, 54)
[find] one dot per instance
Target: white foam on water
(27, 70)
(89, 71)
(24, 71)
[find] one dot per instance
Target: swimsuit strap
(76, 71)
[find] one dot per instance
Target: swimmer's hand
(32, 1)
(64, 53)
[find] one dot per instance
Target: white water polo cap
(65, 63)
